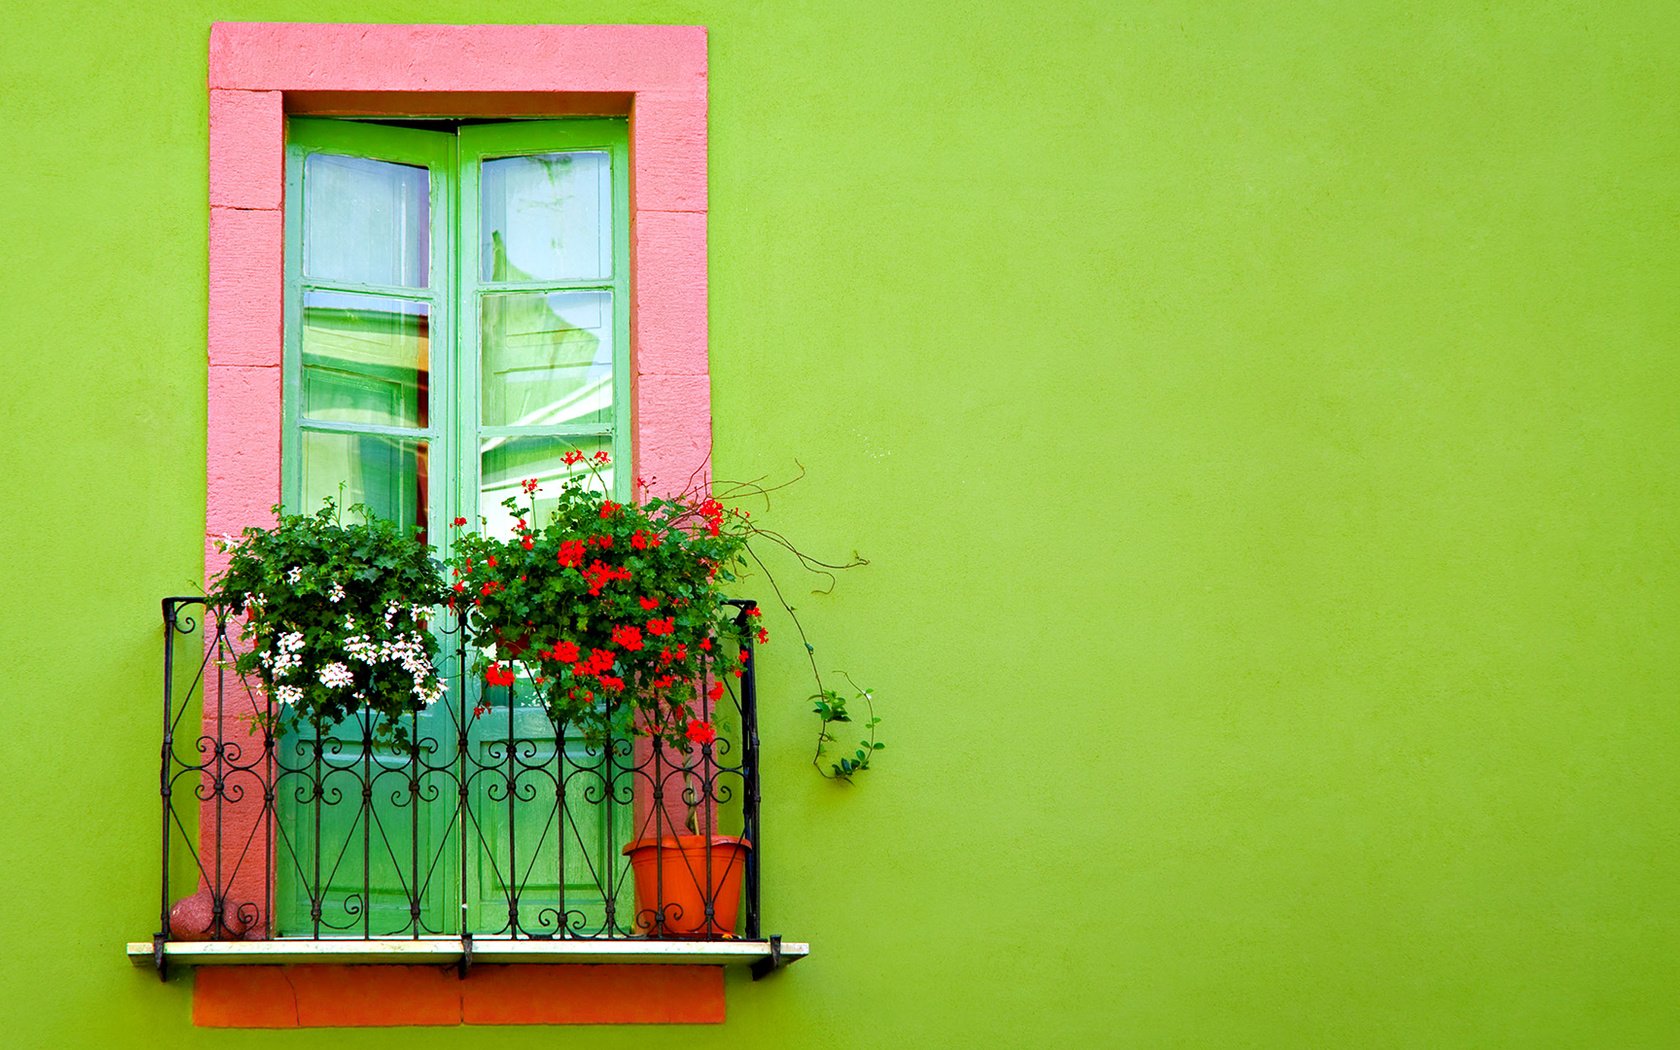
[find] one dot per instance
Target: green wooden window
(457, 311)
(457, 319)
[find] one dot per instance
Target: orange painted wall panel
(387, 996)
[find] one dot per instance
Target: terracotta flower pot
(671, 881)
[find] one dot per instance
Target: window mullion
(464, 233)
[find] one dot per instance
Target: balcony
(482, 832)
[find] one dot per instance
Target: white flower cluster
(408, 650)
(429, 693)
(294, 575)
(336, 676)
(336, 595)
(284, 658)
(394, 609)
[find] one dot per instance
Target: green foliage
(336, 618)
(830, 706)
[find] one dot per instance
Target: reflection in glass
(546, 217)
(547, 357)
(506, 461)
(365, 221)
(386, 473)
(365, 359)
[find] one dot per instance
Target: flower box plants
(336, 617)
(610, 612)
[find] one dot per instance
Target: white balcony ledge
(762, 956)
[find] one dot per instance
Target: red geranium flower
(649, 604)
(629, 637)
(460, 521)
(571, 552)
(496, 674)
(701, 733)
(565, 652)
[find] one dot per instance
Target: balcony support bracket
(768, 965)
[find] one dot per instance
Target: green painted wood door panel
(544, 865)
(359, 833)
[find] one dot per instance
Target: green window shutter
(457, 318)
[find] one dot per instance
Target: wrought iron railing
(488, 821)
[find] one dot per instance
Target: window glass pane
(506, 461)
(546, 218)
(546, 358)
(386, 473)
(365, 359)
(365, 221)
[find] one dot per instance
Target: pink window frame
(260, 72)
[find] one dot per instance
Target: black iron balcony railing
(489, 821)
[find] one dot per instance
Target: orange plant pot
(671, 881)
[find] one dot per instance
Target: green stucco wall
(1262, 423)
